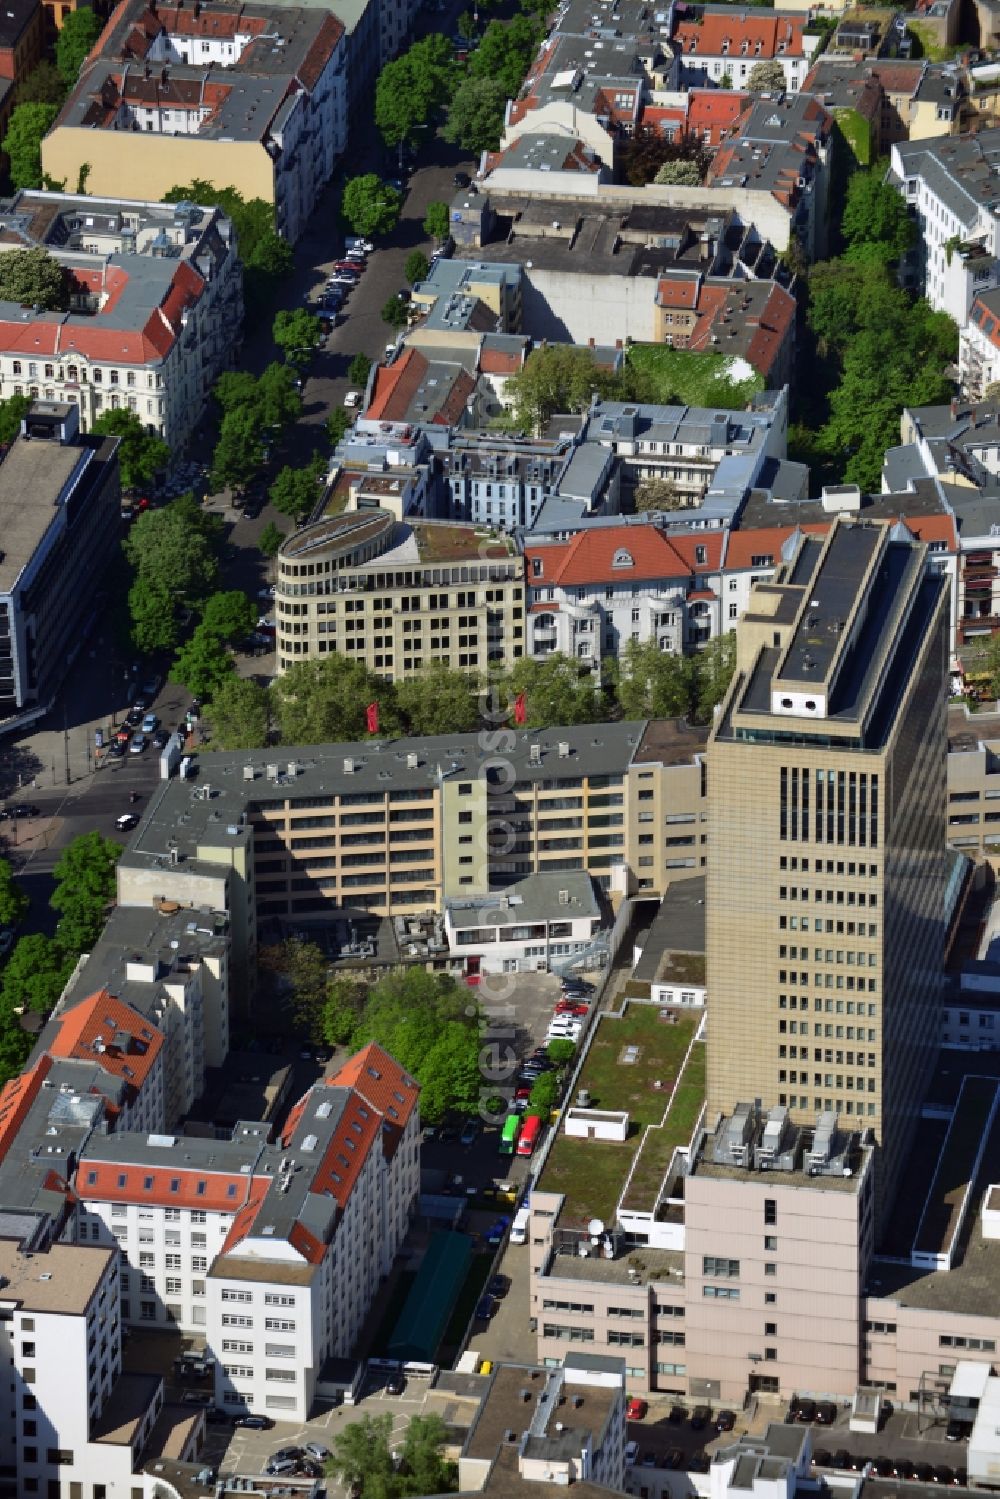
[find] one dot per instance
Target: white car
(352, 398)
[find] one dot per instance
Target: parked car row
(886, 1467)
(300, 1462)
(571, 1011)
(823, 1412)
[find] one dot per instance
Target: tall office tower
(826, 790)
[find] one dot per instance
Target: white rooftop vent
(272, 772)
(412, 761)
(349, 767)
(248, 772)
(563, 749)
(535, 754)
(310, 1142)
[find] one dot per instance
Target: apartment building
(398, 595)
(55, 549)
(271, 1252)
(248, 96)
(394, 827)
(953, 186)
(171, 967)
(833, 729)
(590, 596)
(979, 346)
(711, 42)
(155, 300)
(565, 1424)
(543, 923)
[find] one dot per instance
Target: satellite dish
(595, 1228)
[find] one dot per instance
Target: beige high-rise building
(826, 793)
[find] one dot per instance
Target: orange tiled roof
(768, 28)
(588, 557)
(88, 1031)
(215, 1191)
(16, 1098)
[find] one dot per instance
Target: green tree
(359, 369)
(370, 205)
(231, 615)
(239, 451)
(560, 378)
(202, 664)
(337, 425)
(544, 1093)
(875, 218)
(766, 77)
(416, 267)
(343, 1009)
(411, 89)
(655, 683)
(35, 975)
(439, 701)
(33, 277)
(555, 691)
(85, 884)
(266, 256)
(15, 1043)
(987, 662)
(561, 1051)
(12, 412)
(43, 85)
(300, 970)
(298, 335)
(714, 666)
(679, 173)
(153, 617)
(271, 402)
(506, 52)
(465, 26)
(362, 1458)
(656, 494)
(240, 714)
(296, 490)
(394, 313)
(324, 701)
(436, 221)
(426, 1022)
(476, 115)
(141, 454)
(23, 143)
(422, 1464)
(236, 388)
(270, 539)
(173, 553)
(77, 35)
(13, 901)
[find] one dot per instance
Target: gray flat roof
(209, 811)
(33, 476)
(535, 898)
(62, 1279)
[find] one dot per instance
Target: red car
(567, 1007)
(351, 266)
(522, 1093)
(636, 1409)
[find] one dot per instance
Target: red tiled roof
(108, 1181)
(768, 28)
(987, 321)
(400, 380)
(588, 556)
(88, 1031)
(715, 111)
(16, 1098)
(381, 1081)
(743, 546)
(244, 1220)
(500, 362)
(343, 1161)
(677, 291)
(320, 52)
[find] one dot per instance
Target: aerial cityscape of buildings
(539, 988)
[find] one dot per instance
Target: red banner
(371, 717)
(520, 709)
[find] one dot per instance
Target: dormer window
(725, 46)
(622, 558)
(744, 48)
(758, 47)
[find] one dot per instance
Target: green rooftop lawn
(591, 1173)
(661, 1141)
(693, 378)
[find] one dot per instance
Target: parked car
(395, 1384)
(826, 1413)
(636, 1409)
(160, 739)
(196, 1397)
(805, 1411)
(150, 723)
(23, 810)
(485, 1307)
(496, 1230)
(116, 751)
(318, 1451)
(352, 399)
(462, 179)
(280, 1465)
(676, 1415)
(882, 1467)
(6, 941)
(725, 1421)
(700, 1417)
(254, 1422)
(306, 1468)
(631, 1453)
(903, 1468)
(138, 745)
(821, 1458)
(470, 1133)
(292, 1452)
(498, 1285)
(126, 821)
(955, 1431)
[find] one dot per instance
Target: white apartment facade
(953, 186)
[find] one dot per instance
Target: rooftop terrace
(633, 1064)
